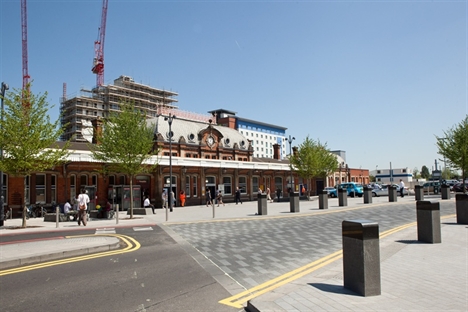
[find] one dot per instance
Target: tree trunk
(131, 196)
(23, 225)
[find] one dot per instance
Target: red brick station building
(205, 155)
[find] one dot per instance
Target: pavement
(414, 275)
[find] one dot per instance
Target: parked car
(332, 192)
(432, 187)
(383, 190)
(353, 188)
(459, 187)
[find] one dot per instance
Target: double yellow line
(131, 243)
(238, 300)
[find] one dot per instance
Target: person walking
(182, 198)
(208, 197)
(268, 193)
(220, 198)
(164, 198)
(147, 204)
(83, 200)
(402, 188)
(238, 196)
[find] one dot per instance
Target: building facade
(388, 176)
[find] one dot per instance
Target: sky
(376, 79)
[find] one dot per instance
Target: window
(72, 187)
(40, 189)
(5, 189)
(227, 185)
(255, 184)
(278, 184)
(243, 185)
(187, 186)
(194, 187)
(111, 180)
(94, 180)
(83, 180)
(53, 188)
(122, 180)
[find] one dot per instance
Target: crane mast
(98, 62)
(24, 41)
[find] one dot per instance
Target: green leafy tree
(454, 147)
(416, 174)
(28, 138)
(313, 160)
(126, 144)
(425, 173)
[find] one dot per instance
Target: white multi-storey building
(393, 175)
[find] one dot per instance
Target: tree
(425, 173)
(416, 174)
(454, 147)
(313, 160)
(126, 144)
(28, 138)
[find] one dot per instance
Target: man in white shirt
(402, 188)
(147, 204)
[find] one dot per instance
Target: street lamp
(290, 156)
(2, 212)
(169, 120)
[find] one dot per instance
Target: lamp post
(290, 140)
(169, 120)
(2, 212)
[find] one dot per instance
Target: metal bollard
(367, 195)
(117, 214)
(461, 202)
(361, 257)
(262, 208)
(418, 192)
(323, 200)
(294, 202)
(57, 216)
(342, 197)
(445, 191)
(428, 222)
(392, 194)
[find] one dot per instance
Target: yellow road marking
(238, 301)
(132, 245)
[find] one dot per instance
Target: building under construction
(77, 113)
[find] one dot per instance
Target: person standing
(220, 198)
(164, 198)
(238, 196)
(67, 207)
(208, 197)
(83, 200)
(268, 193)
(278, 194)
(402, 188)
(147, 204)
(182, 198)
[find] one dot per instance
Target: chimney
(97, 129)
(276, 151)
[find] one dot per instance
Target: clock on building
(210, 140)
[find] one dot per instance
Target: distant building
(263, 136)
(78, 112)
(393, 175)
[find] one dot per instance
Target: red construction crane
(24, 40)
(98, 63)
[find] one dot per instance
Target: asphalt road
(160, 276)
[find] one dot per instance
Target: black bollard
(323, 200)
(293, 202)
(262, 205)
(367, 195)
(461, 202)
(428, 222)
(361, 257)
(418, 192)
(343, 197)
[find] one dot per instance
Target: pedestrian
(278, 194)
(67, 207)
(164, 198)
(303, 190)
(208, 197)
(147, 204)
(269, 195)
(259, 191)
(402, 188)
(83, 200)
(238, 196)
(182, 198)
(220, 198)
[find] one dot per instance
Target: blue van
(353, 188)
